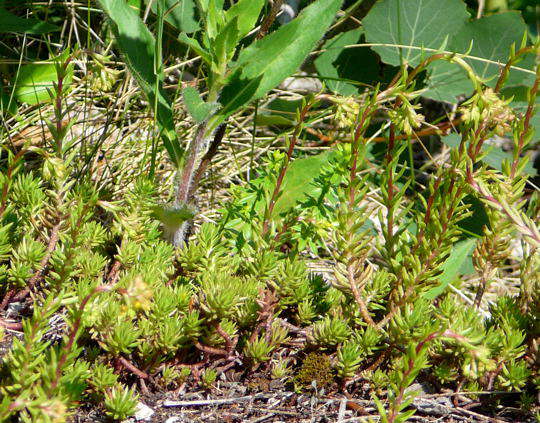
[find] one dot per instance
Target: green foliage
(120, 402)
(493, 37)
(13, 23)
(427, 25)
(139, 48)
(34, 82)
(267, 62)
(208, 378)
(334, 266)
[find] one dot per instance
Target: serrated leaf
(247, 12)
(13, 23)
(225, 42)
(412, 24)
(492, 37)
(197, 108)
(451, 269)
(137, 44)
(267, 62)
(33, 82)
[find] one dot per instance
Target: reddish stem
(283, 169)
(526, 122)
(132, 368)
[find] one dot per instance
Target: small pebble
(143, 412)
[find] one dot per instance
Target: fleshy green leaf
(197, 108)
(34, 81)
(494, 155)
(413, 25)
(491, 39)
(267, 62)
(137, 44)
(12, 23)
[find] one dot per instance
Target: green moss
(315, 368)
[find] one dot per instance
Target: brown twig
(210, 350)
(269, 19)
(5, 300)
(267, 305)
(112, 277)
(11, 325)
(38, 274)
(229, 343)
(131, 367)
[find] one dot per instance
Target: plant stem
(73, 333)
(526, 123)
(283, 170)
(185, 178)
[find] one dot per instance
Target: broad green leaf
(12, 23)
(247, 12)
(273, 120)
(181, 14)
(137, 44)
(297, 183)
(197, 108)
(494, 154)
(413, 25)
(267, 62)
(225, 42)
(298, 180)
(357, 64)
(215, 19)
(451, 269)
(34, 81)
(491, 37)
(172, 217)
(476, 223)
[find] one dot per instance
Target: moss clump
(315, 368)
